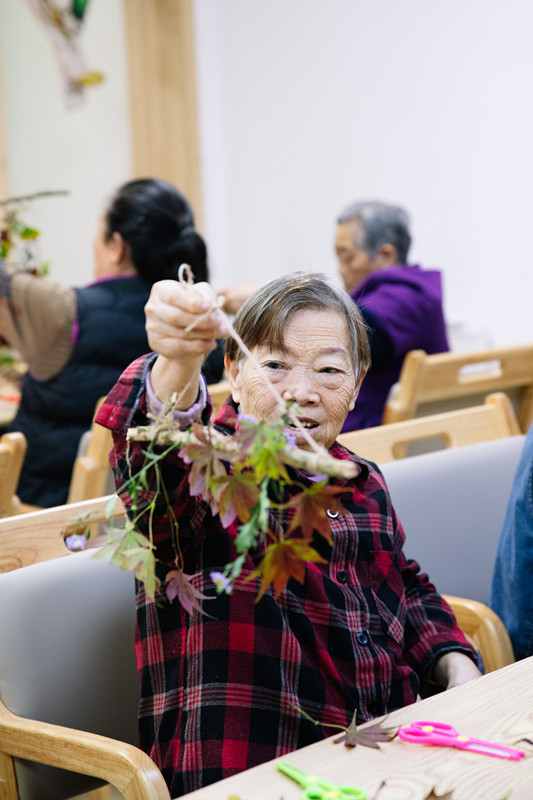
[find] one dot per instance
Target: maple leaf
(179, 584)
(284, 560)
(311, 507)
(235, 496)
(369, 736)
(206, 464)
(131, 550)
(265, 455)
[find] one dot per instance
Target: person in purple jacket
(401, 303)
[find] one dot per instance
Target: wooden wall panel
(160, 42)
(4, 175)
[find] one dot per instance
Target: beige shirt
(36, 319)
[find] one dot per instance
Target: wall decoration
(63, 20)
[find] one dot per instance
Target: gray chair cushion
(452, 505)
(67, 656)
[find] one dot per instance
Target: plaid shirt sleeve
(222, 691)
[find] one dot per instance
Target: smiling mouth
(307, 424)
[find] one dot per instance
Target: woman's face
(315, 370)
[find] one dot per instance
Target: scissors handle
(439, 733)
(316, 788)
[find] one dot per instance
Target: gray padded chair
(67, 658)
(452, 505)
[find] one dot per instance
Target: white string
(185, 278)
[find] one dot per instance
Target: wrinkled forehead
(277, 335)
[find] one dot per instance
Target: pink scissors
(439, 733)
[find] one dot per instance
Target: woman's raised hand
(178, 323)
(182, 325)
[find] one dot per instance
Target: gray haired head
(265, 315)
(380, 224)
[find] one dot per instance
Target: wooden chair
(12, 452)
(439, 382)
(91, 474)
(68, 680)
(485, 630)
(492, 420)
(39, 535)
(218, 393)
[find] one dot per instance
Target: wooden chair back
(218, 392)
(434, 383)
(91, 474)
(40, 535)
(12, 452)
(485, 630)
(492, 420)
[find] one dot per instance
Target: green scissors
(317, 789)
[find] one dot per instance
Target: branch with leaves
(245, 480)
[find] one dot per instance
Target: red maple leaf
(284, 560)
(235, 496)
(370, 736)
(206, 464)
(311, 507)
(179, 585)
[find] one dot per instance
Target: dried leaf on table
(369, 736)
(433, 796)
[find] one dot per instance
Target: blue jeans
(511, 595)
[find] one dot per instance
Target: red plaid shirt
(220, 694)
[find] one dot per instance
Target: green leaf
(29, 233)
(110, 506)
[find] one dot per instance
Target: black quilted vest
(54, 414)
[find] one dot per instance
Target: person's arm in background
(36, 320)
(510, 596)
(234, 296)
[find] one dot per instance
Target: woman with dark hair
(77, 341)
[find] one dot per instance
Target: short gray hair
(380, 223)
(263, 318)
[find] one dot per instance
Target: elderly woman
(77, 341)
(365, 631)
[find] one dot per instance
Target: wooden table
(497, 707)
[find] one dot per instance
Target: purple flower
(75, 542)
(247, 418)
(291, 439)
(222, 583)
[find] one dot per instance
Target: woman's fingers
(180, 322)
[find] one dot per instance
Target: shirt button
(342, 576)
(363, 638)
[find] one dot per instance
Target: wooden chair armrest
(122, 765)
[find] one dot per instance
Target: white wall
(307, 105)
(86, 150)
